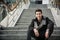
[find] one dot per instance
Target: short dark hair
(38, 10)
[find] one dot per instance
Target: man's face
(38, 15)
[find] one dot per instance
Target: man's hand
(36, 32)
(47, 34)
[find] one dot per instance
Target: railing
(12, 6)
(1, 10)
(56, 5)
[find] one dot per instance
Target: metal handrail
(8, 13)
(15, 10)
(12, 14)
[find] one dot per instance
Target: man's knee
(29, 35)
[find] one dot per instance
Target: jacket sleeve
(31, 26)
(50, 26)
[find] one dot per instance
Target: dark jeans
(31, 34)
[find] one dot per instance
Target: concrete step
(22, 21)
(14, 37)
(18, 27)
(26, 19)
(19, 34)
(27, 15)
(38, 6)
(22, 31)
(7, 32)
(56, 28)
(15, 28)
(22, 36)
(23, 24)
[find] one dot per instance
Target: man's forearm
(47, 33)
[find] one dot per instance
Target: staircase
(19, 32)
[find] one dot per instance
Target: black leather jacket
(45, 24)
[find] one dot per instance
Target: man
(41, 27)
